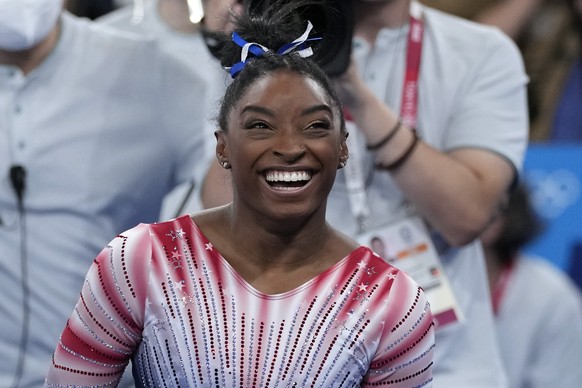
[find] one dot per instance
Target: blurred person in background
(96, 127)
(538, 309)
(190, 31)
(437, 110)
(549, 34)
(511, 16)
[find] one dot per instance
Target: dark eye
(256, 125)
(257, 129)
(318, 128)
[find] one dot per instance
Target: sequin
(188, 319)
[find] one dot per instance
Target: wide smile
(288, 180)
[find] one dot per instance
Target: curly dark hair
(279, 24)
(521, 225)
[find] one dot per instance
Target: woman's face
(284, 146)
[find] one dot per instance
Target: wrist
(386, 139)
(403, 157)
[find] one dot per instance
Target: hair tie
(299, 45)
(255, 48)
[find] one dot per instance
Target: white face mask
(24, 23)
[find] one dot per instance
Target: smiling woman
(284, 151)
(262, 291)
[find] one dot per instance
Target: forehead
(285, 89)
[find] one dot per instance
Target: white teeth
(286, 176)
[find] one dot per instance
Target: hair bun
(333, 20)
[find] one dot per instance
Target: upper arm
(105, 327)
(405, 350)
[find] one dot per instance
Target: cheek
(246, 153)
(329, 151)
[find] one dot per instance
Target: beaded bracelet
(404, 157)
(390, 135)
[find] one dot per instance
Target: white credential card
(406, 245)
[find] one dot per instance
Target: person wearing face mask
(96, 127)
(189, 30)
(437, 111)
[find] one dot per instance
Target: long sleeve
(105, 327)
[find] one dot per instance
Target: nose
(289, 146)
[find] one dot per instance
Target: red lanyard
(354, 170)
(409, 107)
(499, 288)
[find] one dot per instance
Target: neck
(277, 243)
(372, 16)
(176, 14)
(273, 260)
(28, 60)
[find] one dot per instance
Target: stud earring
(225, 164)
(343, 163)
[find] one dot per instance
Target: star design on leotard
(174, 234)
(176, 260)
(179, 285)
(160, 325)
(363, 287)
(359, 295)
(209, 246)
(341, 326)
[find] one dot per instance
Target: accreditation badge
(407, 245)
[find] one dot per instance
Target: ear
(222, 154)
(221, 146)
(344, 153)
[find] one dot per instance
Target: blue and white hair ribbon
(256, 49)
(298, 45)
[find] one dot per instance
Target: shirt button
(21, 145)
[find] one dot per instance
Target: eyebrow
(317, 108)
(305, 112)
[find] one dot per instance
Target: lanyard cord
(354, 171)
